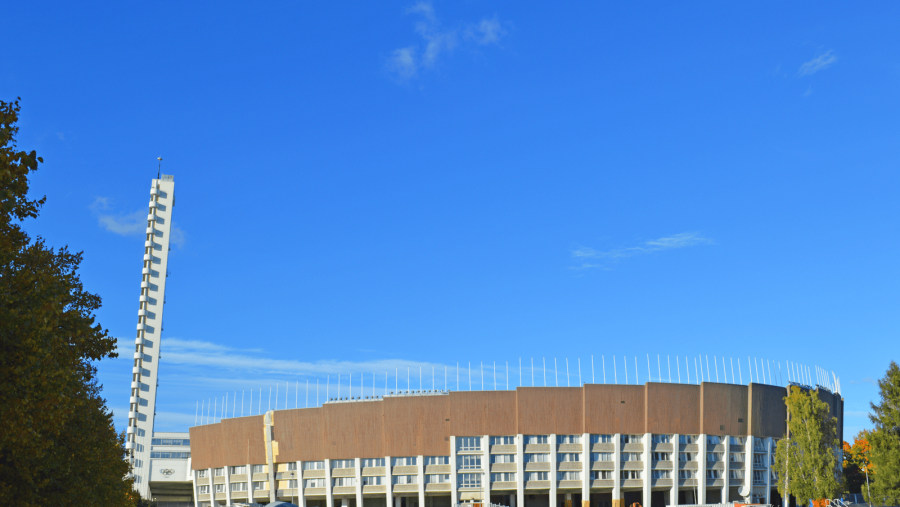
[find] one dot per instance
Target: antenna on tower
(158, 167)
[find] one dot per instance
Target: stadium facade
(596, 445)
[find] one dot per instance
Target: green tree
(885, 440)
(805, 458)
(58, 442)
(857, 467)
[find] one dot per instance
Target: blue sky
(366, 187)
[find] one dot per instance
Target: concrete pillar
(301, 496)
(727, 471)
(454, 489)
(618, 500)
(212, 486)
(388, 483)
(194, 487)
(345, 502)
(398, 501)
(551, 439)
(647, 457)
(676, 448)
(358, 472)
(586, 470)
(227, 485)
(520, 470)
(329, 496)
(701, 469)
(748, 466)
(420, 479)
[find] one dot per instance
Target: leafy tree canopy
(885, 440)
(806, 457)
(856, 463)
(58, 442)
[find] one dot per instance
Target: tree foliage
(805, 458)
(58, 442)
(885, 440)
(856, 463)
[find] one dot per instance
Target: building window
(686, 474)
(342, 463)
(684, 457)
(311, 483)
(661, 474)
(437, 460)
(239, 486)
(601, 456)
(201, 473)
(601, 475)
(568, 476)
(738, 441)
(537, 476)
(219, 472)
(713, 457)
(661, 456)
(344, 481)
(238, 470)
(503, 440)
(306, 465)
(260, 485)
(631, 456)
(535, 439)
(537, 458)
(759, 445)
(372, 462)
(469, 480)
(437, 478)
(292, 484)
(736, 474)
(404, 479)
(687, 439)
(568, 439)
(372, 480)
(736, 457)
(631, 475)
(292, 466)
(220, 488)
(468, 461)
(631, 439)
(759, 460)
(203, 490)
(713, 440)
(503, 477)
(468, 443)
(404, 461)
(601, 439)
(503, 458)
(662, 439)
(171, 441)
(712, 475)
(759, 477)
(258, 469)
(565, 457)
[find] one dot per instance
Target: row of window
(166, 454)
(170, 441)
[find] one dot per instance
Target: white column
(454, 492)
(486, 469)
(727, 459)
(420, 479)
(388, 483)
(194, 488)
(768, 463)
(648, 444)
(701, 469)
(212, 486)
(227, 485)
(748, 466)
(520, 470)
(673, 494)
(585, 470)
(617, 469)
(358, 472)
(301, 494)
(345, 502)
(553, 466)
(329, 497)
(398, 502)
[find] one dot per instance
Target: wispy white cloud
(435, 40)
(589, 256)
(819, 63)
(129, 224)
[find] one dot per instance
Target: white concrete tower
(142, 403)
